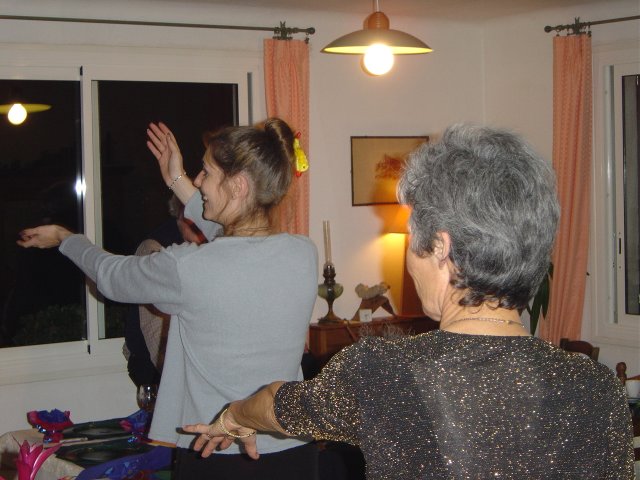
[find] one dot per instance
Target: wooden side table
(327, 339)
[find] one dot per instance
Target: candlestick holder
(330, 290)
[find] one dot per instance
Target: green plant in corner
(540, 302)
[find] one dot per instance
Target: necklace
(487, 319)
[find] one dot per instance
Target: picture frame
(376, 164)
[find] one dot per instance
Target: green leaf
(540, 301)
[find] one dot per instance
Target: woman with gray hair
(481, 397)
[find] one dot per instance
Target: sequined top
(443, 405)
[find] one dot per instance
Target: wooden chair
(580, 346)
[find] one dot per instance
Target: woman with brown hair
(234, 326)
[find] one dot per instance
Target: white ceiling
(464, 10)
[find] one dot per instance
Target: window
(133, 199)
(44, 300)
(87, 166)
(627, 180)
(615, 250)
(42, 297)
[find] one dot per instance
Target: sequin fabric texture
(443, 405)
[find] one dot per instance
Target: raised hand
(44, 236)
(164, 147)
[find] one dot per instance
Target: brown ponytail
(264, 152)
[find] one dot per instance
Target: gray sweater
(240, 310)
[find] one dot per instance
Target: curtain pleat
(572, 153)
(286, 72)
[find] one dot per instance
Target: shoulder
(372, 350)
(289, 247)
(584, 367)
(300, 240)
(177, 251)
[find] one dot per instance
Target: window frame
(89, 65)
(607, 325)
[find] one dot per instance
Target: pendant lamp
(377, 43)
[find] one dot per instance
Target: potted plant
(540, 302)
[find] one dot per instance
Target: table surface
(54, 468)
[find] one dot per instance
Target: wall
(475, 73)
(519, 84)
(422, 95)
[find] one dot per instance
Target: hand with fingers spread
(221, 434)
(45, 236)
(163, 146)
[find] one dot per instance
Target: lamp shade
(398, 219)
(376, 31)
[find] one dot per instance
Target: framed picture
(376, 164)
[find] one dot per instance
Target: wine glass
(146, 396)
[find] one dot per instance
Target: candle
(326, 228)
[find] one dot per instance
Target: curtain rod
(577, 26)
(281, 32)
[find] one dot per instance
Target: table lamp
(398, 223)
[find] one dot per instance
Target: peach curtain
(286, 72)
(572, 139)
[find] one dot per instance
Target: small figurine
(373, 298)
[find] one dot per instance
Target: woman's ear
(442, 246)
(240, 186)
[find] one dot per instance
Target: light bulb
(378, 59)
(17, 114)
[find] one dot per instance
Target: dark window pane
(631, 138)
(41, 292)
(134, 197)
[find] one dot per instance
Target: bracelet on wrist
(176, 179)
(227, 432)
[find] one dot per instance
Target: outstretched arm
(164, 147)
(241, 419)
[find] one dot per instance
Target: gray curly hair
(496, 199)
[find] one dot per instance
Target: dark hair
(264, 152)
(496, 199)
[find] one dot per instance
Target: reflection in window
(41, 292)
(134, 198)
